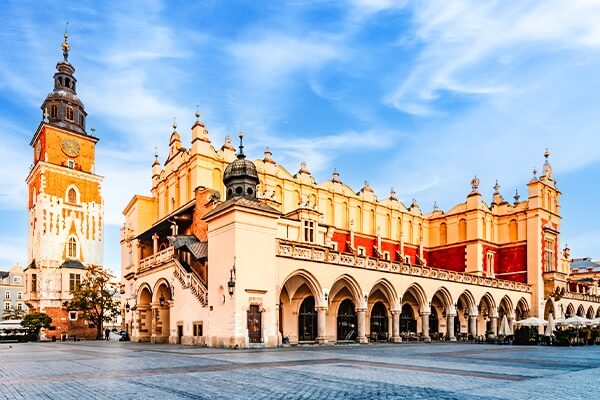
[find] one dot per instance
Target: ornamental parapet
(316, 253)
(155, 260)
(581, 296)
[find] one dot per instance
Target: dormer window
(70, 113)
(72, 248)
(309, 231)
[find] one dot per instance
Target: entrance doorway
(179, 333)
(307, 320)
(379, 322)
(254, 324)
(407, 319)
(346, 321)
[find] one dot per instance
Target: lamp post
(162, 300)
(231, 282)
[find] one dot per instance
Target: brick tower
(65, 206)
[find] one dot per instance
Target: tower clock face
(70, 147)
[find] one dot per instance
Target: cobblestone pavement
(114, 370)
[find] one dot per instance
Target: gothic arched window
(70, 113)
(53, 111)
(72, 196)
(72, 248)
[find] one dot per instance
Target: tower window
(67, 82)
(72, 196)
(72, 248)
(309, 231)
(70, 113)
(81, 122)
(53, 111)
(34, 282)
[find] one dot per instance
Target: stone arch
(549, 308)
(161, 311)
(349, 283)
(590, 313)
(487, 311)
(441, 306)
(505, 307)
(488, 299)
(467, 301)
(306, 278)
(298, 286)
(417, 292)
(522, 309)
(581, 311)
(570, 311)
(387, 289)
(443, 234)
(462, 229)
(598, 313)
(142, 310)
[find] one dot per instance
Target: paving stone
(113, 370)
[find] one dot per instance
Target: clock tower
(66, 219)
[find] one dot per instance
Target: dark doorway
(179, 333)
(307, 320)
(346, 321)
(254, 324)
(407, 319)
(379, 322)
(433, 321)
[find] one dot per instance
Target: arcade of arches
(309, 313)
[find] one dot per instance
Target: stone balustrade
(157, 259)
(304, 251)
(581, 296)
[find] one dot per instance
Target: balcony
(158, 259)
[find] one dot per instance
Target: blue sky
(418, 95)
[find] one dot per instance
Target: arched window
(512, 230)
(443, 233)
(70, 113)
(72, 248)
(72, 196)
(462, 229)
(53, 111)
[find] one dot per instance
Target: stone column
(494, 327)
(321, 325)
(425, 326)
(473, 325)
(450, 328)
(511, 320)
(361, 320)
(155, 243)
(396, 326)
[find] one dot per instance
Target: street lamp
(162, 300)
(127, 306)
(231, 282)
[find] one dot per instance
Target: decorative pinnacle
(65, 45)
(241, 153)
(534, 172)
(435, 206)
(497, 187)
(156, 153)
(546, 154)
(46, 115)
(517, 196)
(93, 131)
(174, 124)
(393, 194)
(197, 113)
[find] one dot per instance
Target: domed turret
(240, 177)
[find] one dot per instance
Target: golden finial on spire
(65, 45)
(197, 113)
(174, 124)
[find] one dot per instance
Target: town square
(363, 199)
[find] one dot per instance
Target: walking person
(107, 334)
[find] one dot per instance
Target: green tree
(13, 313)
(36, 321)
(95, 297)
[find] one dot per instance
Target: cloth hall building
(236, 253)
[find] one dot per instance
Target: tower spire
(65, 45)
(241, 154)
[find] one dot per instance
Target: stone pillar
(321, 325)
(511, 320)
(155, 243)
(473, 325)
(425, 326)
(361, 320)
(450, 328)
(494, 327)
(396, 326)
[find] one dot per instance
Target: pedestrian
(107, 334)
